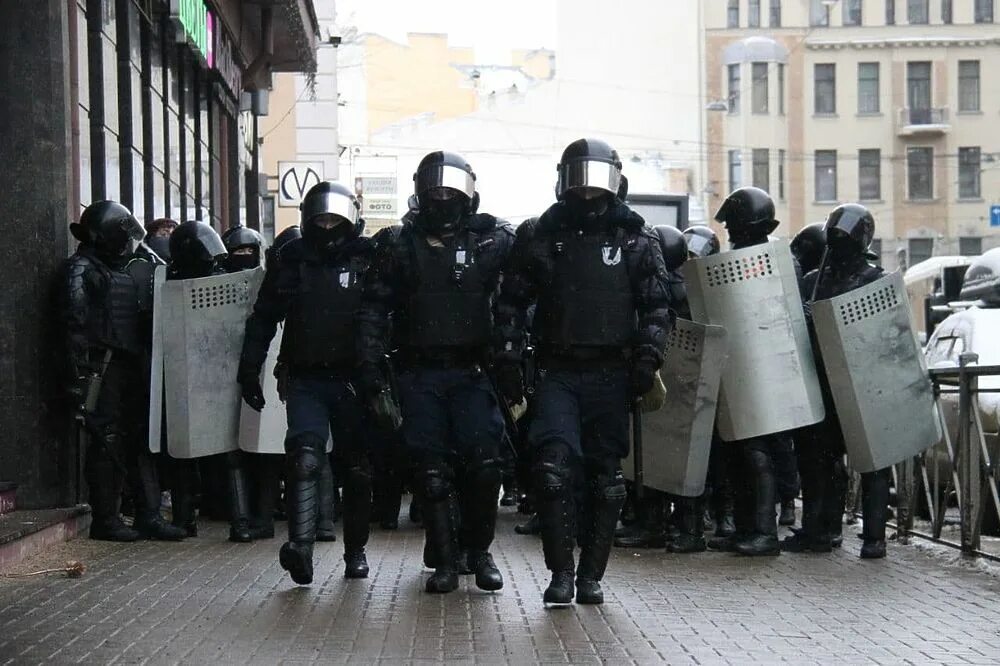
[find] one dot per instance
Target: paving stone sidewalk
(208, 601)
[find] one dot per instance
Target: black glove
(281, 374)
(510, 382)
(253, 394)
(386, 410)
(642, 377)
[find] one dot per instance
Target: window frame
(759, 88)
(818, 82)
(877, 79)
(753, 13)
(849, 8)
(824, 159)
(733, 90)
(735, 167)
(970, 169)
(774, 14)
(761, 159)
(911, 153)
(919, 8)
(965, 80)
(870, 158)
(733, 14)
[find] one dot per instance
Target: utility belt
(413, 358)
(578, 358)
(346, 371)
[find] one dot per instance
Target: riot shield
(877, 374)
(201, 324)
(264, 431)
(769, 384)
(156, 370)
(677, 438)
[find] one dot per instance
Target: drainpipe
(263, 59)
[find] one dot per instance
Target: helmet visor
(448, 176)
(699, 246)
(330, 203)
(588, 173)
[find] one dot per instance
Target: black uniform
(850, 229)
(315, 286)
(597, 274)
(107, 340)
(433, 284)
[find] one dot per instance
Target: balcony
(922, 122)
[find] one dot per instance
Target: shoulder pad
(626, 217)
(290, 252)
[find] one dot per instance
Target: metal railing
(969, 472)
(919, 117)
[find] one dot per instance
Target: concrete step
(24, 533)
(8, 494)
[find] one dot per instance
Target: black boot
(649, 532)
(305, 458)
(740, 479)
(239, 498)
(357, 515)
(390, 499)
(533, 526)
(509, 497)
(325, 529)
(105, 492)
(184, 475)
(691, 538)
(787, 516)
(814, 472)
(555, 512)
(608, 498)
(148, 520)
(764, 538)
(439, 529)
(834, 510)
(874, 512)
(479, 520)
(266, 474)
(416, 510)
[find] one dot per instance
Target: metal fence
(964, 466)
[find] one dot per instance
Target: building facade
(148, 102)
(886, 102)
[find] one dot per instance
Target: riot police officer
(603, 314)
(244, 249)
(107, 342)
(748, 214)
(435, 279)
(808, 246)
(315, 287)
(849, 232)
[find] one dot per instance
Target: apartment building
(892, 103)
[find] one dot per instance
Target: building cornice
(900, 42)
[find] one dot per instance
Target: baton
(819, 276)
(637, 472)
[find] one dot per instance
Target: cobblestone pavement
(209, 601)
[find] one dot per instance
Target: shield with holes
(264, 431)
(677, 438)
(197, 347)
(769, 384)
(877, 374)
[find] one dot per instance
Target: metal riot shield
(677, 438)
(264, 431)
(769, 384)
(156, 370)
(202, 323)
(877, 374)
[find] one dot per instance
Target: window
(775, 14)
(753, 13)
(761, 169)
(868, 94)
(918, 92)
(819, 14)
(734, 88)
(984, 11)
(917, 11)
(852, 12)
(890, 12)
(759, 93)
(920, 173)
(969, 171)
(733, 15)
(921, 249)
(825, 93)
(968, 85)
(946, 11)
(826, 175)
(869, 174)
(970, 246)
(781, 175)
(781, 88)
(735, 165)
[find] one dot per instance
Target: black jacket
(532, 263)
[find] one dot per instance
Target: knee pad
(551, 480)
(437, 484)
(485, 473)
(758, 461)
(305, 457)
(610, 486)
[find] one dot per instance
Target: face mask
(325, 239)
(242, 262)
(443, 214)
(587, 210)
(841, 249)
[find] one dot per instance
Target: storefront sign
(380, 208)
(191, 18)
(377, 185)
(295, 179)
(223, 57)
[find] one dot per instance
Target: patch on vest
(611, 259)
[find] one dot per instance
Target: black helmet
(589, 163)
(849, 231)
(673, 245)
(108, 227)
(242, 238)
(289, 234)
(701, 241)
(160, 245)
(808, 246)
(445, 189)
(329, 198)
(195, 250)
(748, 213)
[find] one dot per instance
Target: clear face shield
(589, 179)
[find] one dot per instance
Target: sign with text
(191, 18)
(380, 208)
(995, 215)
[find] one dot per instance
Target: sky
(492, 27)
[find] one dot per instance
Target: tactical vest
(319, 328)
(122, 309)
(589, 300)
(451, 306)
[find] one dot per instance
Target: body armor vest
(319, 329)
(589, 300)
(451, 306)
(122, 307)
